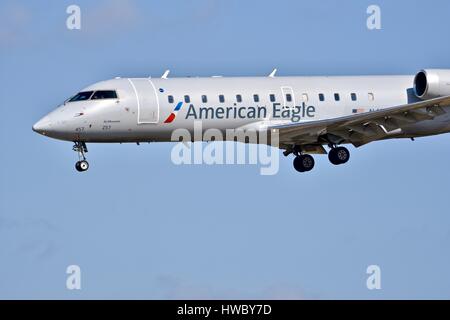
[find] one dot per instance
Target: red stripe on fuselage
(170, 118)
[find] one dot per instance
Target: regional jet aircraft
(308, 114)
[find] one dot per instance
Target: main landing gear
(305, 162)
(81, 165)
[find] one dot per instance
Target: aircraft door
(147, 101)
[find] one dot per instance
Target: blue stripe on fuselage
(178, 107)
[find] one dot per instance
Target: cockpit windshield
(91, 95)
(80, 96)
(104, 94)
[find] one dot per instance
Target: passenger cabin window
(321, 97)
(170, 99)
(81, 96)
(221, 98)
(238, 98)
(104, 94)
(371, 96)
(354, 97)
(187, 99)
(337, 97)
(255, 98)
(204, 99)
(272, 98)
(288, 97)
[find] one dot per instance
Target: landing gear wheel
(304, 163)
(82, 166)
(339, 155)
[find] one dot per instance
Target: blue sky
(141, 227)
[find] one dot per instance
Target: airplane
(307, 113)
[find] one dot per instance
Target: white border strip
(157, 100)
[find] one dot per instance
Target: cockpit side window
(104, 94)
(81, 96)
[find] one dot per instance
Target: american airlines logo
(173, 114)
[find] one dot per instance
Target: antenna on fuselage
(165, 75)
(272, 75)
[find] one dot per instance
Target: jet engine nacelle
(432, 83)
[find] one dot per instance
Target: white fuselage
(148, 110)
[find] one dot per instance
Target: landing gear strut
(338, 155)
(81, 165)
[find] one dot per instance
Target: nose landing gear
(81, 165)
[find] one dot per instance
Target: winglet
(165, 75)
(272, 75)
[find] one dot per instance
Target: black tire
(298, 164)
(82, 166)
(308, 162)
(339, 155)
(333, 157)
(304, 163)
(342, 154)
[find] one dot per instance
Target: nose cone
(42, 126)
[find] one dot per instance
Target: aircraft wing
(360, 128)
